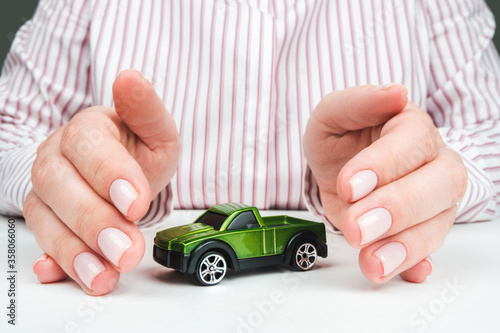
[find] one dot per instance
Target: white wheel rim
(212, 268)
(306, 256)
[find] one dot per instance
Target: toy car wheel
(304, 256)
(211, 269)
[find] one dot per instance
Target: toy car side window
(245, 220)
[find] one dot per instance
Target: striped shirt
(241, 79)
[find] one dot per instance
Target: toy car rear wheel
(210, 269)
(304, 256)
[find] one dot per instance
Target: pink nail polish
(122, 194)
(388, 86)
(384, 87)
(362, 184)
(429, 260)
(113, 243)
(43, 258)
(374, 224)
(391, 255)
(87, 267)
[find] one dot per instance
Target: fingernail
(128, 70)
(374, 224)
(137, 71)
(391, 255)
(87, 267)
(362, 184)
(113, 243)
(122, 194)
(43, 257)
(429, 260)
(386, 87)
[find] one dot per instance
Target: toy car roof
(228, 208)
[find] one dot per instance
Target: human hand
(93, 178)
(385, 177)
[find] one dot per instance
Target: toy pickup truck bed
(236, 236)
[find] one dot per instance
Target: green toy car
(236, 236)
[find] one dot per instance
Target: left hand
(386, 178)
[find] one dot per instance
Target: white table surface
(462, 294)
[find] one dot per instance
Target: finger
(359, 107)
(58, 184)
(386, 258)
(47, 270)
(94, 275)
(419, 272)
(407, 141)
(91, 143)
(417, 197)
(332, 138)
(142, 110)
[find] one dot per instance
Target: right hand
(93, 178)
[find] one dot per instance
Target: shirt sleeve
(464, 97)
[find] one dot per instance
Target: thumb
(142, 110)
(359, 107)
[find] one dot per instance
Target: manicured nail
(429, 260)
(391, 255)
(113, 243)
(122, 194)
(362, 184)
(43, 257)
(374, 224)
(87, 267)
(127, 70)
(386, 87)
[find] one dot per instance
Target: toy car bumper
(171, 259)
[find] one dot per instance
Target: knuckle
(45, 170)
(402, 164)
(429, 143)
(427, 136)
(81, 139)
(70, 135)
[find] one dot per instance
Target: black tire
(304, 256)
(211, 268)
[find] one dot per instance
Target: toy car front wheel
(304, 256)
(211, 269)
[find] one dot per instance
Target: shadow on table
(171, 276)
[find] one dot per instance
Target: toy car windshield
(212, 219)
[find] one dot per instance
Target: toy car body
(236, 236)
